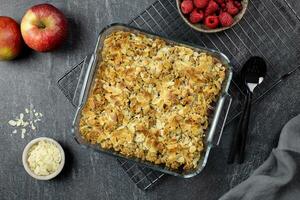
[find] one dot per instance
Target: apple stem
(41, 25)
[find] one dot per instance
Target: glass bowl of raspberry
(211, 16)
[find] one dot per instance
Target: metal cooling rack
(69, 81)
(142, 176)
(270, 29)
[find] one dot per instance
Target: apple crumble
(151, 100)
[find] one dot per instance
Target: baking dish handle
(83, 80)
(218, 125)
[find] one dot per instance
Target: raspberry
(231, 8)
(226, 19)
(211, 8)
(201, 3)
(238, 5)
(211, 22)
(220, 2)
(196, 16)
(187, 7)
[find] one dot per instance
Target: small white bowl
(25, 156)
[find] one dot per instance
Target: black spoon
(252, 74)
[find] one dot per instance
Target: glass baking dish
(87, 80)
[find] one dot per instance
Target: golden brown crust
(151, 100)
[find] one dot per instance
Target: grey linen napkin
(278, 178)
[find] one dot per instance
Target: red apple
(10, 38)
(44, 27)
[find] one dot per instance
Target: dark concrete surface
(31, 80)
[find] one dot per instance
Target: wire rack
(68, 83)
(142, 176)
(270, 29)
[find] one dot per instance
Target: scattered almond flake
(12, 122)
(22, 122)
(18, 123)
(26, 122)
(33, 127)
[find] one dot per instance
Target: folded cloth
(278, 178)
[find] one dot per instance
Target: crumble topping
(151, 100)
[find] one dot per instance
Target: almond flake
(29, 118)
(22, 122)
(33, 127)
(18, 123)
(12, 122)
